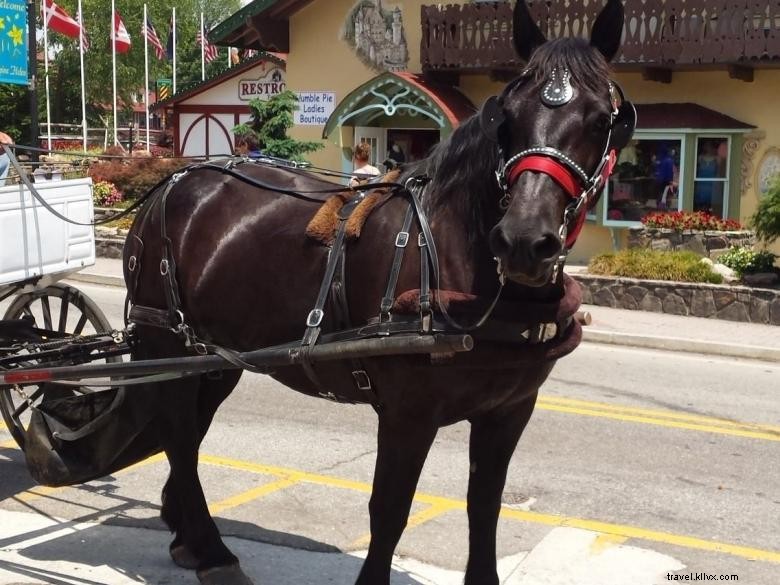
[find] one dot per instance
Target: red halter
(571, 182)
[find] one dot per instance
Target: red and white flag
(56, 19)
(122, 37)
(210, 52)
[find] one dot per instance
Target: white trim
(699, 130)
(725, 180)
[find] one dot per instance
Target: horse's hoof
(231, 575)
(182, 556)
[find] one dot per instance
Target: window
(711, 184)
(646, 179)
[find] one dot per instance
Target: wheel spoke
(46, 313)
(63, 315)
(25, 403)
(80, 325)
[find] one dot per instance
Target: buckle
(402, 239)
(132, 262)
(315, 318)
(362, 380)
(421, 240)
(163, 267)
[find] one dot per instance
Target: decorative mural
(377, 35)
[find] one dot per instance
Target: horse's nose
(524, 253)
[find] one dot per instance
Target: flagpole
(146, 74)
(46, 17)
(83, 88)
(113, 64)
(202, 51)
(174, 49)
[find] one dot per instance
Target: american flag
(210, 52)
(151, 35)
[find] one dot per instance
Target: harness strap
(317, 314)
(401, 241)
(168, 263)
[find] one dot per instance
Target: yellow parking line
(249, 495)
(8, 444)
(765, 436)
(657, 413)
(616, 530)
(413, 521)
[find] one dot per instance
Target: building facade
(401, 75)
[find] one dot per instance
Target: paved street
(636, 463)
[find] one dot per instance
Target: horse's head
(558, 128)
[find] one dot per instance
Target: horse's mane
(462, 167)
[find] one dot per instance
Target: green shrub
(105, 194)
(683, 266)
(747, 261)
(766, 220)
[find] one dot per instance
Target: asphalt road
(632, 458)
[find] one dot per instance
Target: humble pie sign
(264, 87)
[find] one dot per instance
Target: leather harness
(332, 291)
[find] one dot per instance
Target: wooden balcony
(660, 36)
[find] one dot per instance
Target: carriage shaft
(283, 355)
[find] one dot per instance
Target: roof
(260, 25)
(684, 115)
(196, 88)
(391, 92)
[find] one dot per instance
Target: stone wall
(732, 303)
(704, 243)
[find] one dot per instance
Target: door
(377, 138)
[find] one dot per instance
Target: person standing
(364, 170)
(5, 162)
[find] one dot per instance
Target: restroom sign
(263, 88)
(314, 107)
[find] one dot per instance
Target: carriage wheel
(56, 308)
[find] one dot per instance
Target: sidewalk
(612, 326)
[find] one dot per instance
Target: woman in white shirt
(363, 169)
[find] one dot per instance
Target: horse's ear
(492, 117)
(526, 35)
(608, 29)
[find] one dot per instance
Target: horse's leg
(403, 445)
(180, 437)
(494, 437)
(212, 392)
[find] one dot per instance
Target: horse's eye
(602, 124)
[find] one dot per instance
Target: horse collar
(558, 91)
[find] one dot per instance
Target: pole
(173, 24)
(113, 65)
(146, 77)
(46, 16)
(32, 57)
(202, 51)
(83, 86)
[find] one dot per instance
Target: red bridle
(566, 175)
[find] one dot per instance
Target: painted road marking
(615, 530)
(670, 419)
(413, 521)
(250, 495)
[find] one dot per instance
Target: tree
(271, 119)
(766, 220)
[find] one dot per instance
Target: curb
(755, 352)
(102, 279)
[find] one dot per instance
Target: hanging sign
(314, 107)
(13, 42)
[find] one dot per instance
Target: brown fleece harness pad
(322, 227)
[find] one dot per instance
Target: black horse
(246, 276)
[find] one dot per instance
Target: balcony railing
(658, 33)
